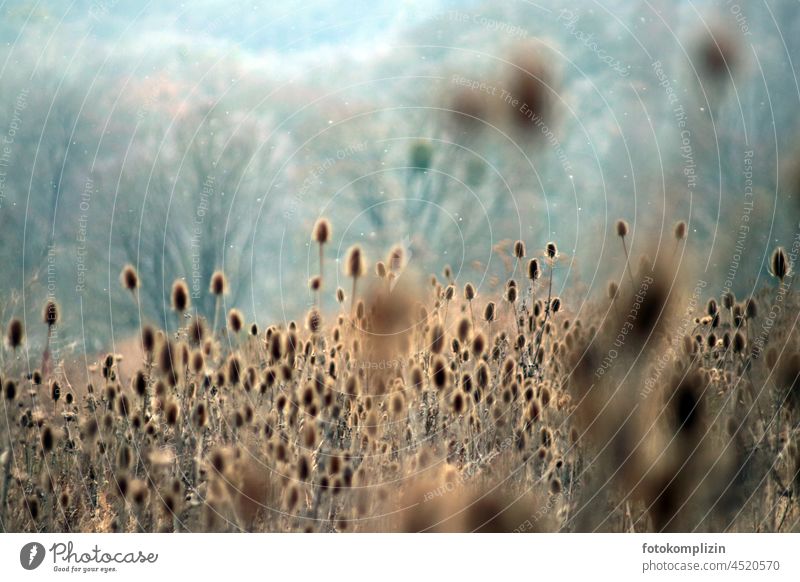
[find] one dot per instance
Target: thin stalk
(353, 298)
(217, 304)
(321, 257)
(628, 264)
(46, 353)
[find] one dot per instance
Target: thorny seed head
(181, 300)
(533, 269)
(50, 313)
(219, 284)
(355, 264)
(680, 230)
(322, 231)
(235, 320)
(129, 278)
(469, 292)
(15, 334)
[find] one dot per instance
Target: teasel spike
(129, 278)
(519, 250)
(15, 335)
(50, 315)
(322, 234)
(181, 300)
(394, 262)
(680, 230)
(489, 312)
(148, 340)
(218, 286)
(355, 267)
(235, 321)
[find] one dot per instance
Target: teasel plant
(447, 296)
(322, 234)
(218, 286)
(355, 268)
(15, 339)
(469, 296)
(551, 256)
(129, 279)
(622, 231)
(679, 232)
(50, 315)
(181, 301)
(534, 273)
(519, 254)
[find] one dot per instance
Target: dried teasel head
(511, 294)
(235, 320)
(355, 264)
(469, 292)
(728, 300)
(148, 339)
(181, 300)
(437, 339)
(322, 231)
(531, 81)
(464, 330)
(613, 290)
(219, 284)
(197, 330)
(440, 372)
(48, 439)
(50, 313)
(534, 272)
(750, 308)
(129, 278)
(479, 344)
(394, 261)
(680, 230)
(10, 390)
(489, 312)
(314, 321)
(15, 334)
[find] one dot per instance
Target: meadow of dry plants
(505, 392)
(424, 409)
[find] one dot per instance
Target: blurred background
(188, 137)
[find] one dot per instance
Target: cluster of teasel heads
(432, 410)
